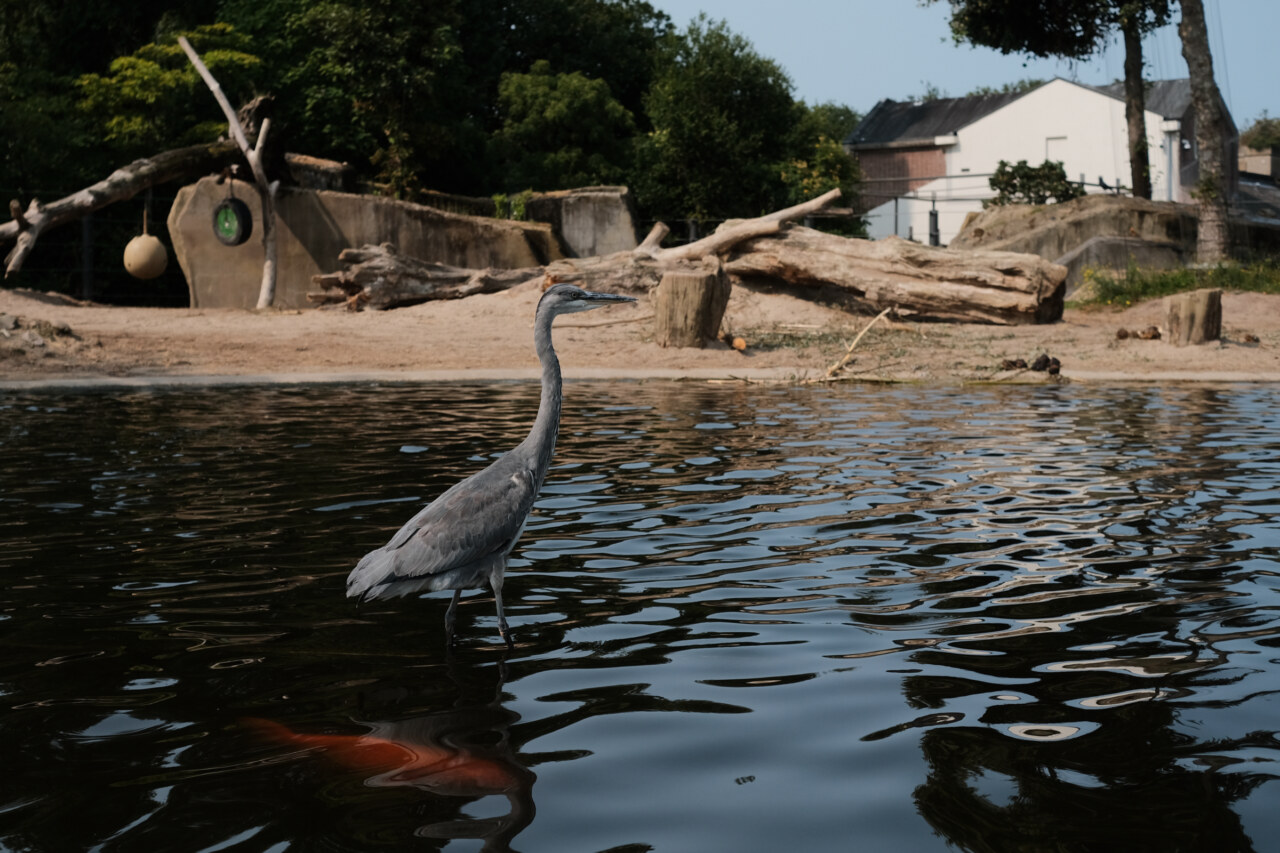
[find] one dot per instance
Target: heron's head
(569, 298)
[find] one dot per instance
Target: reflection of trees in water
(988, 792)
(1083, 750)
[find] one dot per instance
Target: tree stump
(688, 308)
(1195, 317)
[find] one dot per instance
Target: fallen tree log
(379, 277)
(122, 184)
(918, 282)
(915, 281)
(731, 233)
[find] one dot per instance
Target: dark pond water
(883, 619)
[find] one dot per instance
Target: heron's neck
(542, 438)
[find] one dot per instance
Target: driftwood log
(688, 307)
(918, 282)
(1194, 318)
(379, 277)
(915, 281)
(121, 185)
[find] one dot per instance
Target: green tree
(1263, 133)
(44, 139)
(832, 120)
(154, 99)
(1020, 87)
(1023, 184)
(823, 167)
(818, 162)
(67, 38)
(612, 40)
(560, 131)
(49, 146)
(362, 80)
(1072, 29)
(722, 117)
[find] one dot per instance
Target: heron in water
(461, 539)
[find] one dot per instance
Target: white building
(938, 155)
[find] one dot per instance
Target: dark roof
(1167, 98)
(903, 121)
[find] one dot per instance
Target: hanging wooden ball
(145, 256)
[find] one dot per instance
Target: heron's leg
(449, 617)
(495, 581)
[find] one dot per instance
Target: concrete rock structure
(314, 226)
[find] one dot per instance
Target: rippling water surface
(746, 619)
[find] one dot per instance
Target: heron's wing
(478, 518)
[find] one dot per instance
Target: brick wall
(890, 172)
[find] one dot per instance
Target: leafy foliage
(1023, 184)
(1020, 87)
(613, 40)
(471, 97)
(512, 206)
(721, 117)
(361, 81)
(560, 130)
(43, 137)
(826, 167)
(1263, 133)
(818, 162)
(931, 92)
(154, 99)
(1071, 29)
(1137, 285)
(832, 120)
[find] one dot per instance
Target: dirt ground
(50, 340)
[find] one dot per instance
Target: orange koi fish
(425, 764)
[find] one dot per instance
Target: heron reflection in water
(461, 540)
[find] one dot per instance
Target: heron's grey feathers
(462, 538)
(460, 533)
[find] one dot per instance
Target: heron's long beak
(594, 296)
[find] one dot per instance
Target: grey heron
(461, 539)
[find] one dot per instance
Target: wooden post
(688, 307)
(1195, 317)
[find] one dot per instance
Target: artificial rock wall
(313, 227)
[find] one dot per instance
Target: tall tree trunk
(1211, 189)
(1135, 106)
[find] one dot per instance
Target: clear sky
(857, 52)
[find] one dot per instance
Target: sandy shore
(52, 341)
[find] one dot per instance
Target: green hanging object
(232, 222)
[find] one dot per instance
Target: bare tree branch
(267, 292)
(121, 185)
